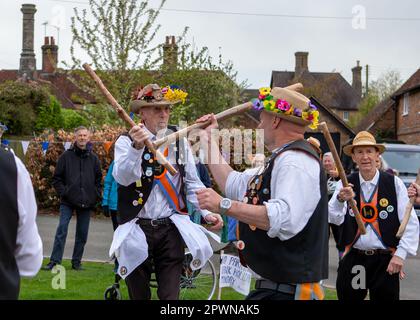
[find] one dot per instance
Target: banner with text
(234, 275)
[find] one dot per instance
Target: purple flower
(297, 112)
(312, 106)
(257, 104)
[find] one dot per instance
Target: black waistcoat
(387, 214)
(304, 257)
(128, 197)
(9, 217)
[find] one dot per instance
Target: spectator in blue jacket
(110, 197)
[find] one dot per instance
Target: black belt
(154, 222)
(271, 285)
(372, 252)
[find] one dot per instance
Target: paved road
(100, 238)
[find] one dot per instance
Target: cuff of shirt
(134, 154)
(274, 219)
(402, 253)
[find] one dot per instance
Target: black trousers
(358, 273)
(266, 294)
(166, 254)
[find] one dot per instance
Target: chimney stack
(170, 53)
(301, 63)
(357, 78)
(49, 56)
(27, 57)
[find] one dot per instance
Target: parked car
(405, 160)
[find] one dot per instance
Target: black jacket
(77, 178)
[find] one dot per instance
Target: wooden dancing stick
(220, 116)
(407, 212)
(342, 174)
(124, 116)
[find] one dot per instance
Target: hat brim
(348, 150)
(136, 105)
(290, 118)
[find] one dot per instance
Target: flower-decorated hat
(153, 95)
(289, 105)
(363, 139)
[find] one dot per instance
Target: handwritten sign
(234, 275)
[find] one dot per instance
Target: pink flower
(282, 105)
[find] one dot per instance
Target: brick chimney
(27, 57)
(301, 63)
(357, 78)
(49, 55)
(170, 53)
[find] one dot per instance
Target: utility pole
(45, 28)
(367, 80)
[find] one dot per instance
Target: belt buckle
(370, 252)
(154, 223)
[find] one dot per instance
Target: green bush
(73, 119)
(20, 104)
(50, 116)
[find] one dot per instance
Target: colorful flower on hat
(265, 91)
(266, 101)
(172, 94)
(269, 105)
(257, 104)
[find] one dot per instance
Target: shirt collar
(374, 181)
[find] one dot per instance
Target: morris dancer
(283, 210)
(152, 203)
(381, 199)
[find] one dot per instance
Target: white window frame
(344, 116)
(406, 104)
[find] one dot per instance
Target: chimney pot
(301, 63)
(357, 78)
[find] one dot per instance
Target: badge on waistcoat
(383, 214)
(390, 209)
(383, 202)
(123, 270)
(369, 213)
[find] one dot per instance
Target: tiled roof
(330, 87)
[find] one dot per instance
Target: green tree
(379, 89)
(20, 104)
(50, 116)
(118, 42)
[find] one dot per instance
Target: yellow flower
(269, 105)
(175, 95)
(265, 91)
(290, 111)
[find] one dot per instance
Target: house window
(406, 105)
(345, 115)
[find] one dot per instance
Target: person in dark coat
(77, 180)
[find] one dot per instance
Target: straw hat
(315, 143)
(363, 139)
(287, 104)
(153, 95)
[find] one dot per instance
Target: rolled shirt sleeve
(295, 192)
(409, 241)
(28, 251)
(336, 209)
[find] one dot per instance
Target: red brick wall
(408, 126)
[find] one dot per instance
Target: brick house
(398, 116)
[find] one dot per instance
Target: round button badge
(383, 214)
(390, 208)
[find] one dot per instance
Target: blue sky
(264, 37)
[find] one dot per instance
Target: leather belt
(372, 252)
(154, 222)
(271, 285)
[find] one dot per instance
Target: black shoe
(77, 267)
(49, 266)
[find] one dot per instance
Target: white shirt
(28, 252)
(294, 190)
(408, 243)
(127, 170)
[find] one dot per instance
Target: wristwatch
(225, 205)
